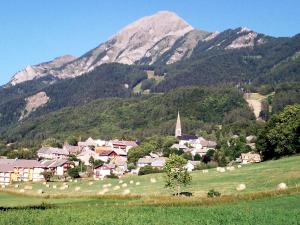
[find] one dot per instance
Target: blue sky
(35, 31)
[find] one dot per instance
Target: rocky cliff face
(43, 69)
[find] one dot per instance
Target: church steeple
(178, 127)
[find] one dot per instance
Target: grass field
(151, 203)
(282, 209)
(257, 177)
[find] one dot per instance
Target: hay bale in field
(282, 186)
(22, 191)
(104, 185)
(3, 186)
(54, 186)
(28, 187)
(40, 191)
(239, 166)
(116, 188)
(120, 181)
(124, 185)
(102, 192)
(91, 183)
(71, 180)
(222, 170)
(230, 168)
(204, 171)
(47, 185)
(16, 186)
(137, 183)
(77, 188)
(131, 182)
(44, 183)
(108, 185)
(153, 180)
(126, 192)
(62, 188)
(241, 187)
(75, 181)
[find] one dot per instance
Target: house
(120, 165)
(20, 170)
(86, 155)
(6, 172)
(182, 147)
(191, 165)
(250, 158)
(106, 155)
(91, 142)
(146, 161)
(100, 149)
(103, 171)
(159, 162)
(72, 150)
(52, 153)
(187, 139)
(58, 166)
(124, 145)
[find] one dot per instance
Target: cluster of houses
(112, 153)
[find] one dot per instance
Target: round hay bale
(124, 185)
(116, 188)
(22, 191)
(222, 170)
(28, 187)
(47, 185)
(126, 192)
(137, 183)
(54, 186)
(62, 188)
(91, 183)
(204, 171)
(239, 166)
(120, 181)
(109, 185)
(66, 186)
(241, 187)
(40, 191)
(77, 188)
(75, 181)
(131, 182)
(153, 180)
(16, 186)
(44, 183)
(282, 186)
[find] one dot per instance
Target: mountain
(40, 70)
(164, 53)
(141, 42)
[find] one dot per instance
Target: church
(178, 132)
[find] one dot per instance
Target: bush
(197, 157)
(148, 170)
(73, 172)
(112, 176)
(212, 194)
(47, 175)
(209, 165)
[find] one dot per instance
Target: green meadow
(257, 178)
(150, 203)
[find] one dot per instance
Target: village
(112, 158)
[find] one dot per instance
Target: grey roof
(179, 146)
(21, 163)
(6, 168)
(54, 163)
(159, 162)
(145, 160)
(51, 150)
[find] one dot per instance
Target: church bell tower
(178, 127)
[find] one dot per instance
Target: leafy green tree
(177, 175)
(73, 172)
(72, 140)
(197, 157)
(281, 135)
(51, 142)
